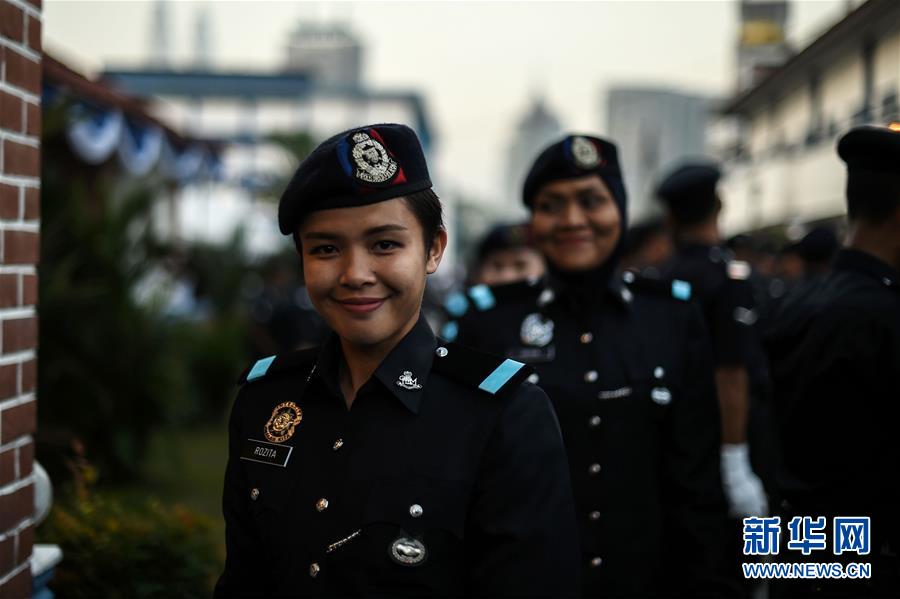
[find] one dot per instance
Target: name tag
(266, 453)
(532, 355)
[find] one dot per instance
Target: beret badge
(373, 163)
(584, 153)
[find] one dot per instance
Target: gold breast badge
(285, 417)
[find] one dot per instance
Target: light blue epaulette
(266, 367)
(681, 290)
(482, 297)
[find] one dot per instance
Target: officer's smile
(361, 305)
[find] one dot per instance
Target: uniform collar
(414, 354)
(611, 290)
(867, 264)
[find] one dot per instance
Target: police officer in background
(388, 462)
(722, 288)
(629, 373)
(835, 356)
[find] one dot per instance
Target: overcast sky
(477, 64)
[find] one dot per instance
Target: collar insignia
(406, 381)
(536, 330)
(285, 418)
(373, 164)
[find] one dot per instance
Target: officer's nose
(573, 215)
(356, 269)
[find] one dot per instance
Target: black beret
(690, 191)
(504, 237)
(358, 167)
(572, 157)
(871, 148)
(819, 245)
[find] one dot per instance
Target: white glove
(743, 488)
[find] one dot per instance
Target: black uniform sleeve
(522, 522)
(692, 485)
(242, 562)
(733, 313)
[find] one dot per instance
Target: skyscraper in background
(330, 52)
(655, 129)
(538, 128)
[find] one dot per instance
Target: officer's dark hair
(872, 196)
(425, 206)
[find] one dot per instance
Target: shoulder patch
(478, 370)
(483, 297)
(272, 365)
(681, 290)
(738, 270)
(456, 304)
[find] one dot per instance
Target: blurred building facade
(655, 129)
(780, 164)
(319, 93)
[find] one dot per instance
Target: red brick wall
(20, 129)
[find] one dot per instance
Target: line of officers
(686, 404)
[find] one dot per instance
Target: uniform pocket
(413, 532)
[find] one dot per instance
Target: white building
(654, 129)
(533, 132)
(781, 166)
(330, 51)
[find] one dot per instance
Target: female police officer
(629, 373)
(388, 462)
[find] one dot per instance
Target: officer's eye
(386, 245)
(549, 205)
(323, 250)
(591, 200)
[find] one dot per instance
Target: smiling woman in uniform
(388, 462)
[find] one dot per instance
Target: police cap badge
(358, 167)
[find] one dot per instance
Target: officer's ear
(436, 251)
(718, 205)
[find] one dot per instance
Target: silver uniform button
(441, 352)
(254, 494)
(586, 337)
(595, 563)
(595, 515)
(594, 468)
(338, 444)
(322, 505)
(628, 277)
(594, 421)
(415, 510)
(533, 378)
(314, 569)
(887, 281)
(590, 376)
(658, 372)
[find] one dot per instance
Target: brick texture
(19, 334)
(26, 459)
(7, 554)
(9, 201)
(34, 34)
(8, 376)
(9, 291)
(21, 159)
(16, 506)
(29, 376)
(20, 32)
(22, 72)
(32, 203)
(10, 112)
(7, 469)
(20, 247)
(12, 22)
(19, 587)
(18, 421)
